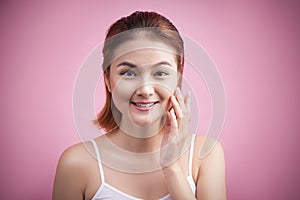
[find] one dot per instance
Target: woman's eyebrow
(162, 63)
(126, 64)
(133, 65)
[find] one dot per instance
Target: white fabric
(108, 192)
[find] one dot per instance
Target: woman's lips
(144, 106)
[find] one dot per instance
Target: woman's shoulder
(210, 171)
(76, 157)
(72, 173)
(206, 147)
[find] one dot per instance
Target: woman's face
(142, 78)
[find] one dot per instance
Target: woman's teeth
(144, 104)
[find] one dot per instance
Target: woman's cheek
(165, 94)
(122, 92)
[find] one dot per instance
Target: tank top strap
(191, 155)
(99, 161)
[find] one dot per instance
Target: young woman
(147, 151)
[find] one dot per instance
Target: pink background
(254, 44)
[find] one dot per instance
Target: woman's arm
(210, 183)
(211, 176)
(176, 135)
(211, 173)
(177, 183)
(69, 179)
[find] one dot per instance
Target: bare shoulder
(76, 155)
(207, 151)
(210, 168)
(72, 173)
(208, 148)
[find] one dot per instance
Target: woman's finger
(174, 124)
(180, 100)
(187, 102)
(177, 110)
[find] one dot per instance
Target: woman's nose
(145, 90)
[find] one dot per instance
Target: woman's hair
(151, 25)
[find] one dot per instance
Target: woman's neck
(138, 139)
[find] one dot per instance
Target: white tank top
(108, 192)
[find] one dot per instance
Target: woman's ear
(107, 83)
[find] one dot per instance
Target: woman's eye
(128, 73)
(160, 73)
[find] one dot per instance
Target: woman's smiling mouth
(144, 106)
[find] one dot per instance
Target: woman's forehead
(143, 45)
(143, 57)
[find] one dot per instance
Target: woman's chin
(144, 122)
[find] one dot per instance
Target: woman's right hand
(176, 137)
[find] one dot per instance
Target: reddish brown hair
(158, 28)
